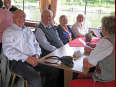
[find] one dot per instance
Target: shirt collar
(18, 28)
(50, 25)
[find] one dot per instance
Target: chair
(14, 77)
(13, 80)
(4, 71)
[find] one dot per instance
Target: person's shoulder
(5, 13)
(1, 9)
(40, 26)
(103, 39)
(104, 42)
(28, 29)
(74, 25)
(69, 26)
(58, 27)
(9, 29)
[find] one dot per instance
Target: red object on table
(76, 42)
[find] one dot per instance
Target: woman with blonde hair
(64, 30)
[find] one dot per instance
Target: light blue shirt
(19, 44)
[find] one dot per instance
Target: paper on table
(83, 42)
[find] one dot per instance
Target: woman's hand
(87, 50)
(86, 65)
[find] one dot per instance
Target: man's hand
(32, 60)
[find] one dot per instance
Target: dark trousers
(27, 72)
(49, 75)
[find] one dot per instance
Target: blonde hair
(62, 17)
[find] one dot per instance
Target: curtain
(54, 7)
(45, 3)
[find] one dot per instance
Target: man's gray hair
(81, 14)
(47, 10)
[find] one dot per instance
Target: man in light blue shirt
(22, 50)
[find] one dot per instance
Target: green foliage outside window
(96, 3)
(20, 1)
(95, 10)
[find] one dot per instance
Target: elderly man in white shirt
(22, 50)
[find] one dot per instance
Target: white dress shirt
(19, 44)
(103, 49)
